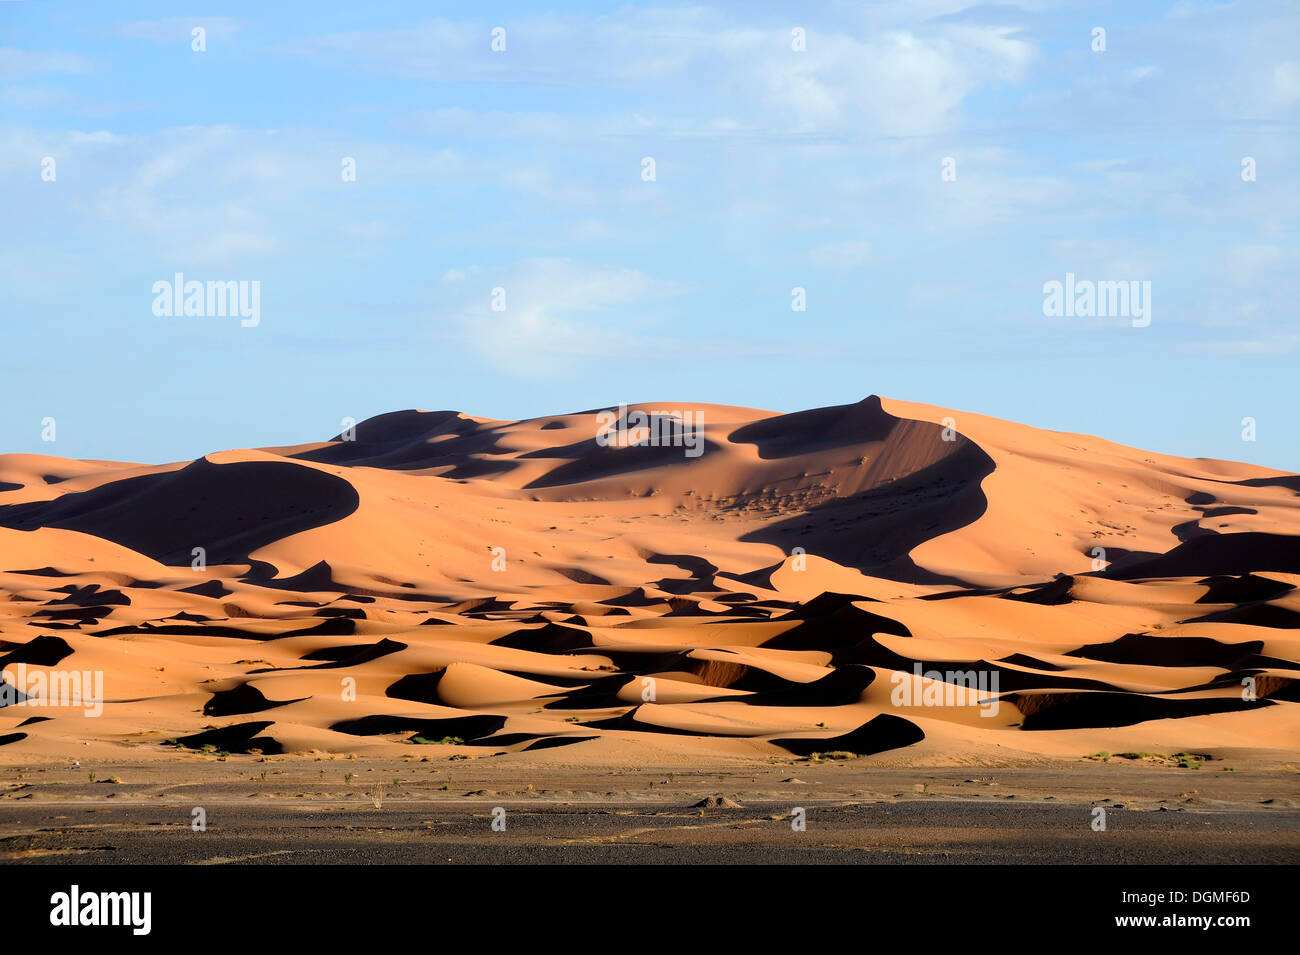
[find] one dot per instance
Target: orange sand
(515, 585)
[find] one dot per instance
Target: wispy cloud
(899, 82)
(177, 29)
(841, 255)
(540, 317)
(15, 63)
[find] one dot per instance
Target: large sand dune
(449, 584)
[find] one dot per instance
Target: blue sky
(522, 169)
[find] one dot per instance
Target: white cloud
(1246, 263)
(1280, 344)
(841, 255)
(1108, 259)
(16, 63)
(177, 29)
(1286, 79)
(557, 312)
(893, 82)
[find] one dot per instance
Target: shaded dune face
(867, 579)
(1209, 553)
(230, 510)
(875, 529)
(912, 483)
(412, 441)
(821, 429)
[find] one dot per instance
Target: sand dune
(875, 577)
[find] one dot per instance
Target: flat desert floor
(286, 810)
